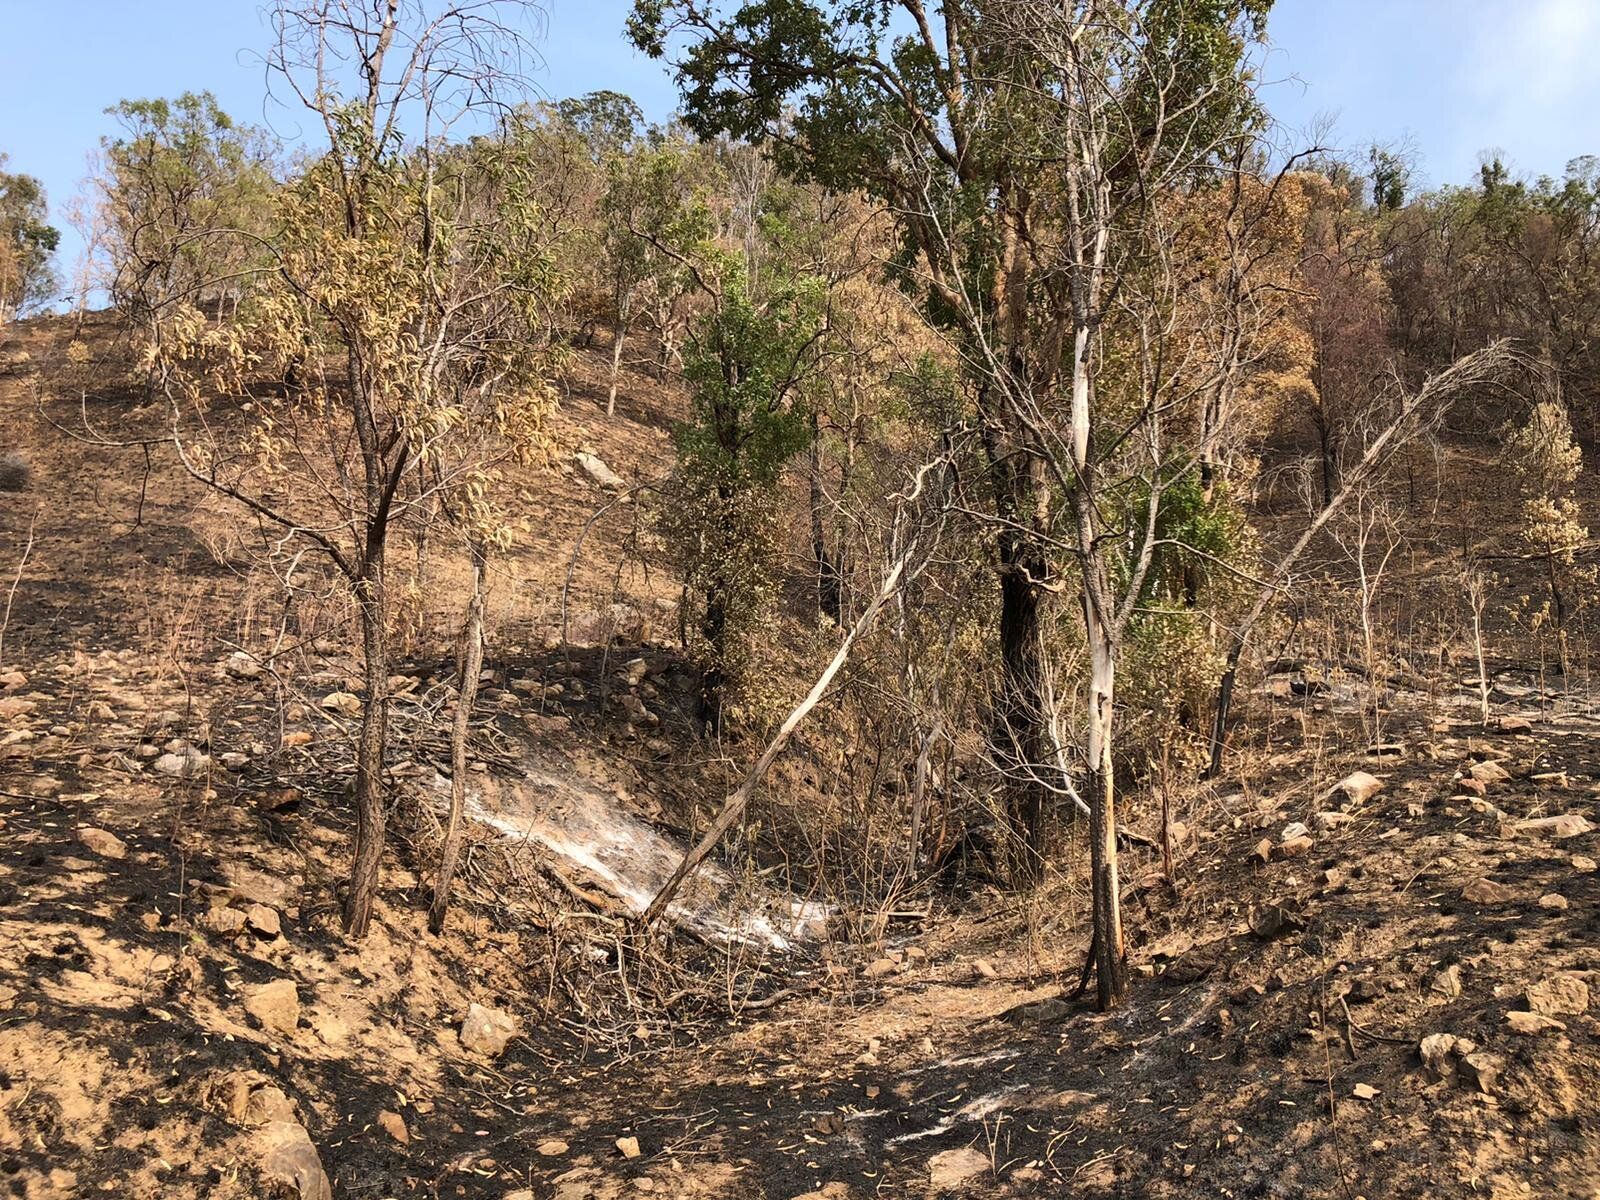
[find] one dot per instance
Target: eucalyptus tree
(1024, 147)
(409, 288)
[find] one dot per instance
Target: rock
(1564, 826)
(1365, 1091)
(629, 1146)
(102, 842)
(953, 1168)
(1487, 891)
(224, 921)
(1327, 821)
(12, 707)
(1448, 982)
(1531, 1024)
(234, 761)
(297, 737)
(268, 1104)
(242, 666)
(289, 1160)
(394, 1125)
(552, 1148)
(276, 1005)
(1440, 1052)
(1356, 788)
(599, 474)
(347, 703)
(879, 967)
(1294, 847)
(1293, 830)
(1268, 921)
(1559, 996)
(1514, 725)
(13, 679)
(1483, 1069)
(264, 920)
(984, 969)
(1468, 786)
(1489, 772)
(1583, 864)
(1554, 901)
(634, 671)
(487, 1030)
(185, 764)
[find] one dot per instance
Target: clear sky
(1452, 77)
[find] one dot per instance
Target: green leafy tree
(27, 241)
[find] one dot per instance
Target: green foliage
(27, 241)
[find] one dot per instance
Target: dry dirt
(176, 1001)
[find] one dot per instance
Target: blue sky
(1451, 77)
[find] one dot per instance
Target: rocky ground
(1372, 975)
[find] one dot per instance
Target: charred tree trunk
(1020, 737)
(372, 746)
(469, 660)
(1111, 964)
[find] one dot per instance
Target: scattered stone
(102, 842)
(984, 968)
(1564, 826)
(12, 707)
(634, 672)
(1559, 996)
(1440, 1052)
(276, 1005)
(552, 1148)
(1583, 864)
(1483, 1069)
(953, 1168)
(264, 920)
(1327, 821)
(394, 1125)
(599, 474)
(242, 666)
(1554, 901)
(1514, 725)
(1487, 891)
(289, 1160)
(1488, 771)
(225, 921)
(1293, 830)
(234, 761)
(1468, 786)
(347, 703)
(487, 1030)
(1268, 921)
(1365, 1091)
(1531, 1024)
(1357, 788)
(1294, 847)
(297, 737)
(268, 1104)
(1448, 982)
(184, 764)
(629, 1146)
(879, 967)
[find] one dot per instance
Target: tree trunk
(469, 666)
(1020, 739)
(372, 749)
(1111, 966)
(830, 589)
(618, 335)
